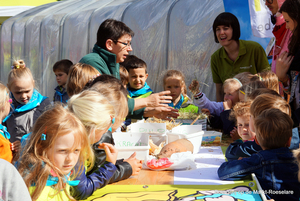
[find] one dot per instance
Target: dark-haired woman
(235, 56)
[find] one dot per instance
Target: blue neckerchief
(60, 93)
(35, 100)
(5, 132)
(135, 93)
(178, 105)
(52, 180)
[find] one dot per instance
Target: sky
(240, 8)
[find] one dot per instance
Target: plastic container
(128, 143)
(202, 122)
(193, 133)
(212, 137)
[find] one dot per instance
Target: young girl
(174, 81)
(58, 142)
(27, 103)
(113, 90)
(269, 79)
(79, 75)
(5, 150)
(247, 89)
(87, 106)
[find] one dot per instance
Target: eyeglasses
(269, 1)
(127, 44)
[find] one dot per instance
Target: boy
(137, 70)
(61, 71)
(275, 165)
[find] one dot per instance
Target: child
(113, 90)
(247, 89)
(246, 77)
(79, 76)
(87, 106)
(137, 71)
(61, 71)
(274, 166)
(269, 79)
(27, 103)
(5, 151)
(124, 76)
(58, 142)
(241, 112)
(174, 81)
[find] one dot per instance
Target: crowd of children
(65, 150)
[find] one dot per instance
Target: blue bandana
(178, 105)
(5, 132)
(133, 93)
(52, 180)
(34, 101)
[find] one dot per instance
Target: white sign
(148, 128)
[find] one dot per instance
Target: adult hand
(194, 87)
(283, 63)
(164, 112)
(227, 104)
(135, 164)
(158, 99)
(110, 151)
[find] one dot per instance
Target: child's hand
(16, 146)
(111, 152)
(206, 111)
(135, 164)
(227, 104)
(158, 99)
(194, 87)
(234, 134)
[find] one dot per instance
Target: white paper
(208, 160)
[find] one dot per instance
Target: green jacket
(103, 60)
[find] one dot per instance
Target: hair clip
(242, 92)
(260, 78)
(43, 136)
(112, 121)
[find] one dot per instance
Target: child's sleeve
(90, 183)
(202, 101)
(228, 125)
(237, 169)
(239, 149)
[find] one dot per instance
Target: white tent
(169, 34)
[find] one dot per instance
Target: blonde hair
(19, 71)
(35, 165)
(269, 79)
(79, 75)
(94, 111)
(273, 128)
(232, 82)
(177, 75)
(4, 95)
(267, 101)
(116, 97)
(250, 87)
(246, 77)
(241, 109)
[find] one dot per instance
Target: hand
(164, 112)
(158, 99)
(240, 158)
(234, 134)
(110, 151)
(227, 104)
(16, 146)
(206, 111)
(194, 87)
(135, 164)
(283, 63)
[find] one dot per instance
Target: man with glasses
(112, 46)
(280, 32)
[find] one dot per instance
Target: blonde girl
(97, 115)
(79, 75)
(57, 143)
(113, 90)
(247, 89)
(27, 103)
(174, 81)
(5, 147)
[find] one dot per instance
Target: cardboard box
(128, 143)
(192, 133)
(212, 137)
(202, 122)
